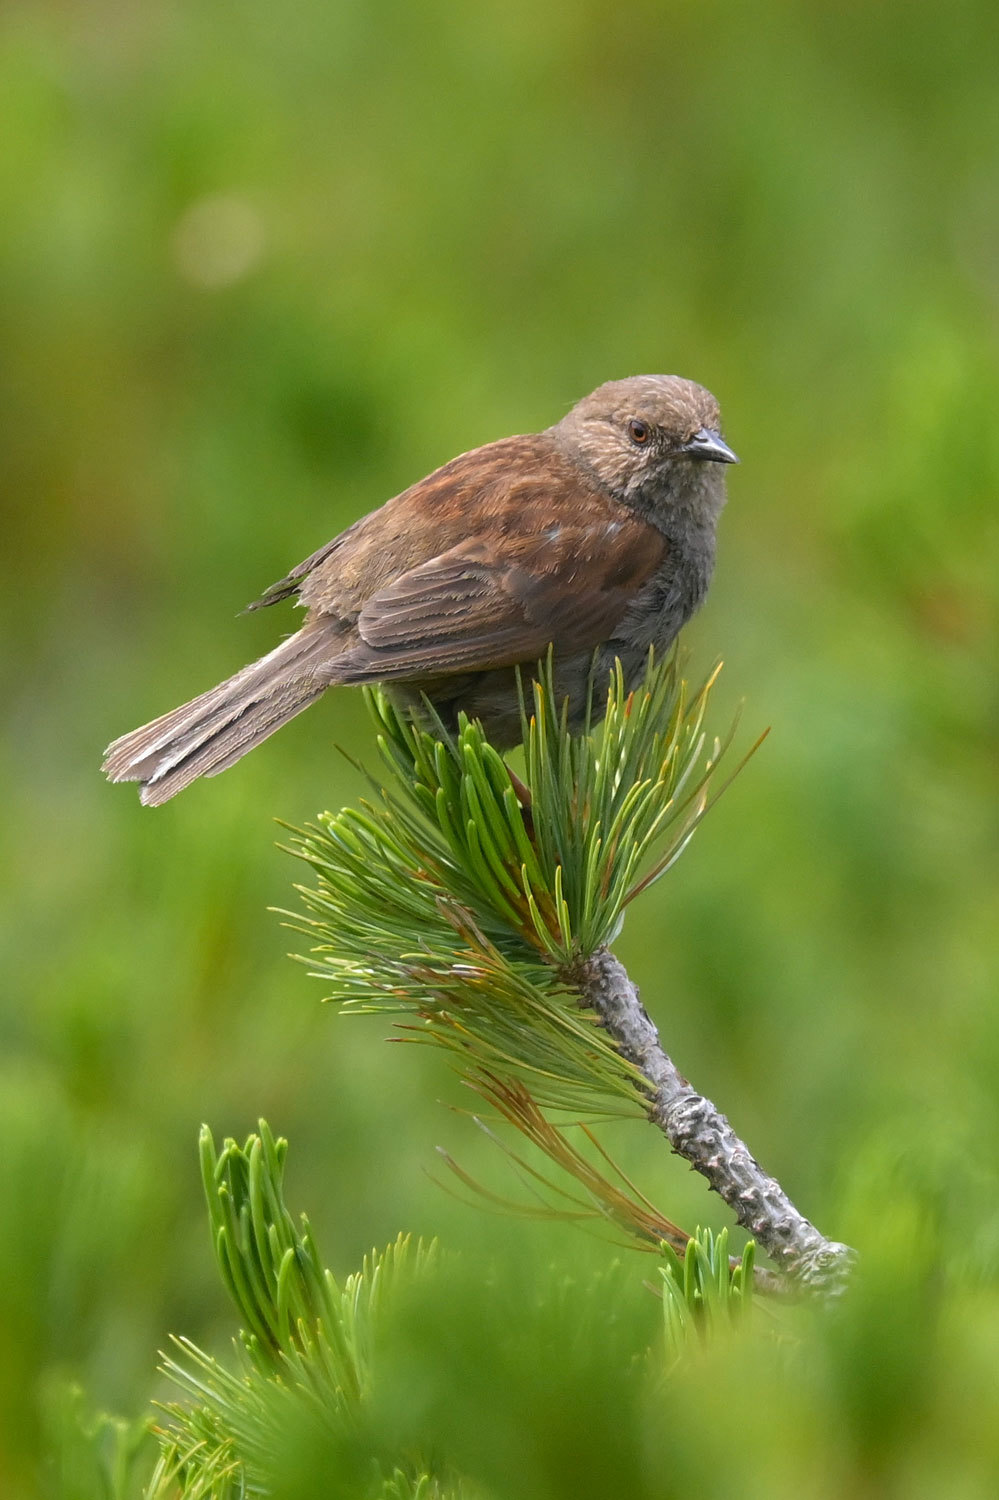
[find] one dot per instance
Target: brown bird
(596, 536)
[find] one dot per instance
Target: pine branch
(699, 1133)
(480, 907)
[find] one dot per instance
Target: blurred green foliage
(259, 269)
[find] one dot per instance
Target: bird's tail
(212, 732)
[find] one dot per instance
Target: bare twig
(699, 1133)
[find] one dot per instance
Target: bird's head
(653, 441)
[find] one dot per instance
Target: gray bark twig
(699, 1133)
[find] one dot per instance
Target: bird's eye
(638, 431)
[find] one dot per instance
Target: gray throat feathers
(676, 590)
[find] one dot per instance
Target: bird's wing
(517, 480)
(500, 597)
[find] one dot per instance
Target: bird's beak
(706, 443)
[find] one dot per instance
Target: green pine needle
(446, 901)
(704, 1291)
(305, 1343)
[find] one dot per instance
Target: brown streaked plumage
(596, 536)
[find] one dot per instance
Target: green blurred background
(260, 268)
